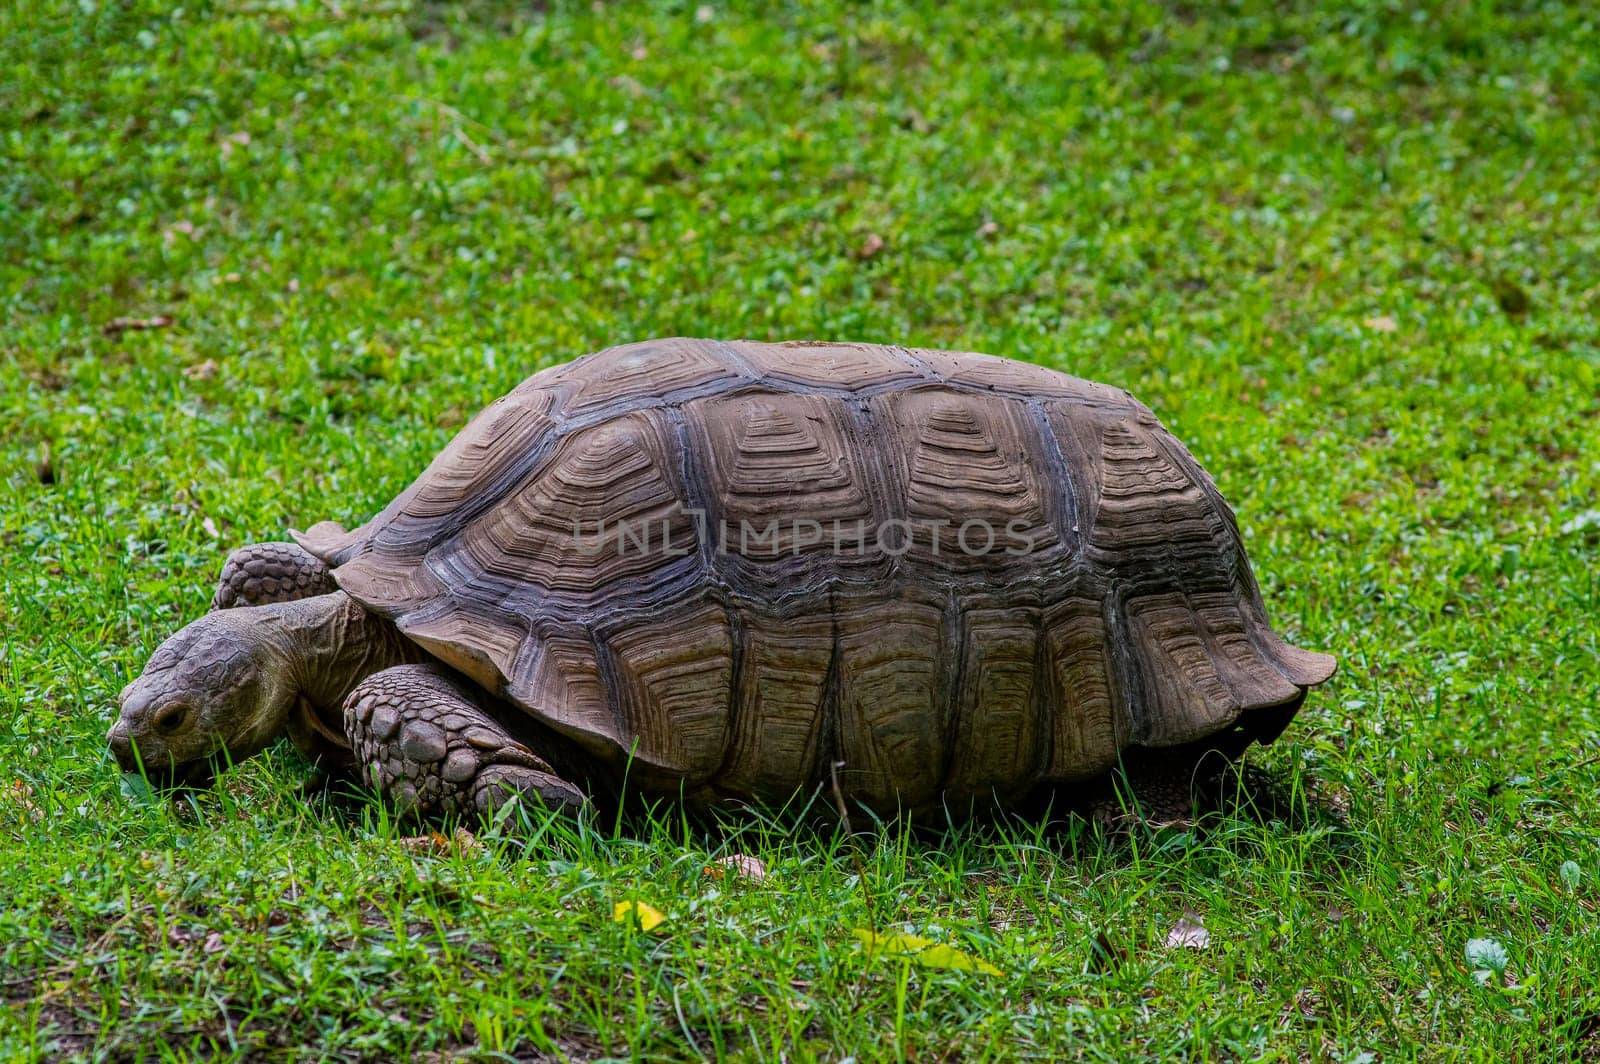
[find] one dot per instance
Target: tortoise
(740, 572)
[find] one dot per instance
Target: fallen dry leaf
(631, 86)
(210, 528)
(20, 794)
(1189, 933)
(739, 864)
(432, 842)
(169, 235)
(213, 943)
(201, 371)
(1382, 323)
(988, 229)
(122, 325)
(923, 951)
(463, 842)
(870, 246)
(241, 138)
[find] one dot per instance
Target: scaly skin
(420, 738)
(262, 573)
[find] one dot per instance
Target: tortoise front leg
(420, 738)
(262, 573)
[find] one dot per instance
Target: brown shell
(745, 666)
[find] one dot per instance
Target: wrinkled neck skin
(328, 645)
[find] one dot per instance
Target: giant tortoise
(737, 571)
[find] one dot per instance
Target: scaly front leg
(260, 573)
(428, 747)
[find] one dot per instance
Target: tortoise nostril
(169, 719)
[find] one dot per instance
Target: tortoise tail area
(1189, 652)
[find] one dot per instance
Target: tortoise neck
(330, 643)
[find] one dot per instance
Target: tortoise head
(217, 686)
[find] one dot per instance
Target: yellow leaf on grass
(644, 917)
(922, 951)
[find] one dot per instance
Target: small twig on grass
(861, 872)
(855, 849)
(446, 109)
(122, 325)
(1585, 763)
(467, 142)
(1527, 167)
(838, 798)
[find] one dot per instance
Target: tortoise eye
(170, 718)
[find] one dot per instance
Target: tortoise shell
(643, 550)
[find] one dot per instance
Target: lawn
(1350, 253)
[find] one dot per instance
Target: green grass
(1350, 253)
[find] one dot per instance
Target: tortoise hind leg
(420, 737)
(1169, 786)
(1156, 788)
(260, 573)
